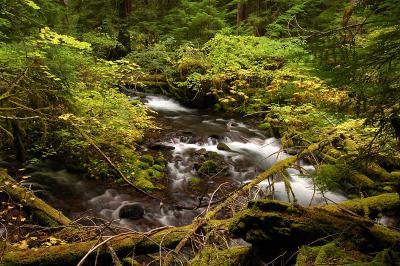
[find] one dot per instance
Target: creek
(192, 138)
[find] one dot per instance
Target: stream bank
(208, 156)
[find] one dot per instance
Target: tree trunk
(241, 12)
(123, 245)
(19, 146)
(281, 225)
(124, 9)
(27, 198)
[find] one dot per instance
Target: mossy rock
(208, 167)
(225, 257)
(147, 158)
(159, 167)
(265, 126)
(160, 159)
(194, 183)
(223, 147)
(145, 184)
(143, 165)
(154, 173)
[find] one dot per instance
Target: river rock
(187, 132)
(131, 211)
(161, 147)
(202, 151)
(214, 136)
(223, 147)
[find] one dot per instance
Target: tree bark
(281, 225)
(27, 198)
(123, 245)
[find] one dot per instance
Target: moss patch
(226, 257)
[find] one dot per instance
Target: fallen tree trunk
(123, 245)
(269, 221)
(27, 198)
(384, 203)
(281, 225)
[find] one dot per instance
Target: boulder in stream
(223, 147)
(161, 147)
(131, 211)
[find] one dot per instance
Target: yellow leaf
(23, 245)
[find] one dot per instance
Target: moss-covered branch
(27, 198)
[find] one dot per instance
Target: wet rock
(208, 167)
(202, 151)
(32, 168)
(214, 136)
(131, 211)
(161, 147)
(13, 166)
(223, 147)
(187, 132)
(292, 151)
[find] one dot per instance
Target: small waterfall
(240, 153)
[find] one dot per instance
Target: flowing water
(192, 136)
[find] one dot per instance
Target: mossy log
(226, 257)
(28, 199)
(123, 245)
(281, 225)
(387, 203)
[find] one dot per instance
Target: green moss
(194, 180)
(322, 254)
(265, 126)
(215, 257)
(386, 257)
(158, 167)
(43, 219)
(395, 175)
(160, 159)
(147, 158)
(145, 184)
(208, 167)
(143, 165)
(154, 173)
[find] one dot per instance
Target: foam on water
(249, 153)
(164, 104)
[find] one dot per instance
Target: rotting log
(280, 225)
(123, 245)
(225, 257)
(28, 199)
(384, 203)
(278, 222)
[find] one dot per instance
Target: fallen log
(384, 203)
(281, 225)
(123, 245)
(27, 198)
(270, 221)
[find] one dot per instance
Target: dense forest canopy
(307, 72)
